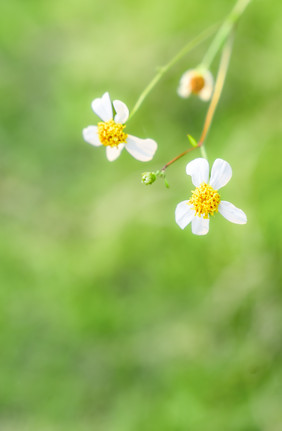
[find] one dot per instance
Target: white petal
(103, 107)
(206, 92)
(184, 89)
(220, 174)
(184, 214)
(199, 171)
(113, 153)
(200, 225)
(122, 112)
(90, 135)
(141, 149)
(231, 213)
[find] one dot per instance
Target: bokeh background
(111, 317)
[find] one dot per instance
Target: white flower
(110, 131)
(205, 199)
(196, 81)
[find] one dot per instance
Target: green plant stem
(188, 47)
(220, 79)
(215, 46)
(203, 152)
(223, 32)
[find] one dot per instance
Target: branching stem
(223, 67)
(187, 48)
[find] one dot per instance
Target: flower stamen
(111, 133)
(197, 83)
(205, 200)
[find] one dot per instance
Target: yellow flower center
(197, 83)
(205, 200)
(111, 133)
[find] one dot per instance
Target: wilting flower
(196, 81)
(205, 199)
(110, 131)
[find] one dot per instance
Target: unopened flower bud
(148, 178)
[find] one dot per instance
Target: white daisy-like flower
(196, 81)
(110, 131)
(205, 199)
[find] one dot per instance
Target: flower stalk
(217, 43)
(187, 48)
(223, 32)
(220, 79)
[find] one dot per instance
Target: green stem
(203, 152)
(188, 47)
(220, 79)
(223, 32)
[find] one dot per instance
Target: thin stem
(178, 157)
(188, 47)
(223, 32)
(203, 152)
(223, 66)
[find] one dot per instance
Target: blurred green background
(111, 317)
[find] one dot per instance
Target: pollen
(205, 200)
(111, 133)
(197, 83)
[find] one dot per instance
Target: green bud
(148, 178)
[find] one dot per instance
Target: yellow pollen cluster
(205, 200)
(197, 83)
(111, 133)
